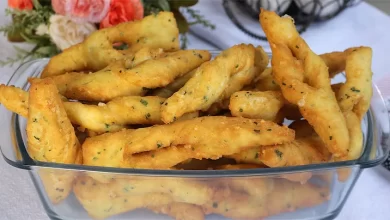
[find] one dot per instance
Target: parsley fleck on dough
(51, 137)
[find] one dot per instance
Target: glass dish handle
(380, 140)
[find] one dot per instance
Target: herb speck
(144, 102)
(278, 153)
(353, 89)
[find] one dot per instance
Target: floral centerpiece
(54, 25)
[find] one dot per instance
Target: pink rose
(82, 10)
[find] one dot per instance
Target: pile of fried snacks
(155, 106)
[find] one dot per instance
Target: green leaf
(163, 4)
(181, 21)
(176, 4)
(14, 36)
(36, 4)
(48, 50)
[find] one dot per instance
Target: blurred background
(383, 5)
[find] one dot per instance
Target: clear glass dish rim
(28, 163)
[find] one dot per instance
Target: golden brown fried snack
(285, 197)
(180, 211)
(304, 81)
(289, 196)
(173, 87)
(141, 56)
(335, 61)
(239, 81)
(100, 118)
(238, 133)
(116, 81)
(299, 152)
(355, 95)
(101, 201)
(254, 186)
(354, 98)
(118, 112)
(209, 82)
(256, 105)
(14, 99)
(179, 189)
(307, 148)
(303, 151)
(97, 52)
(168, 157)
(51, 137)
(236, 205)
(63, 80)
(265, 81)
(57, 183)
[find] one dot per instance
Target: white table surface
(370, 199)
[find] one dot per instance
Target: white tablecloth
(370, 197)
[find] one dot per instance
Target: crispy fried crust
(96, 52)
(237, 133)
(14, 99)
(117, 81)
(118, 112)
(51, 137)
(173, 87)
(354, 97)
(285, 197)
(127, 194)
(265, 81)
(305, 82)
(209, 82)
(256, 105)
(335, 61)
(100, 118)
(299, 152)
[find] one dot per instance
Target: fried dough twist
(51, 138)
(304, 81)
(117, 81)
(14, 99)
(285, 197)
(238, 133)
(102, 200)
(307, 148)
(240, 80)
(97, 51)
(256, 105)
(109, 117)
(354, 96)
(209, 82)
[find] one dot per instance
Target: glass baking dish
(316, 191)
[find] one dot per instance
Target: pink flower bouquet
(52, 26)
